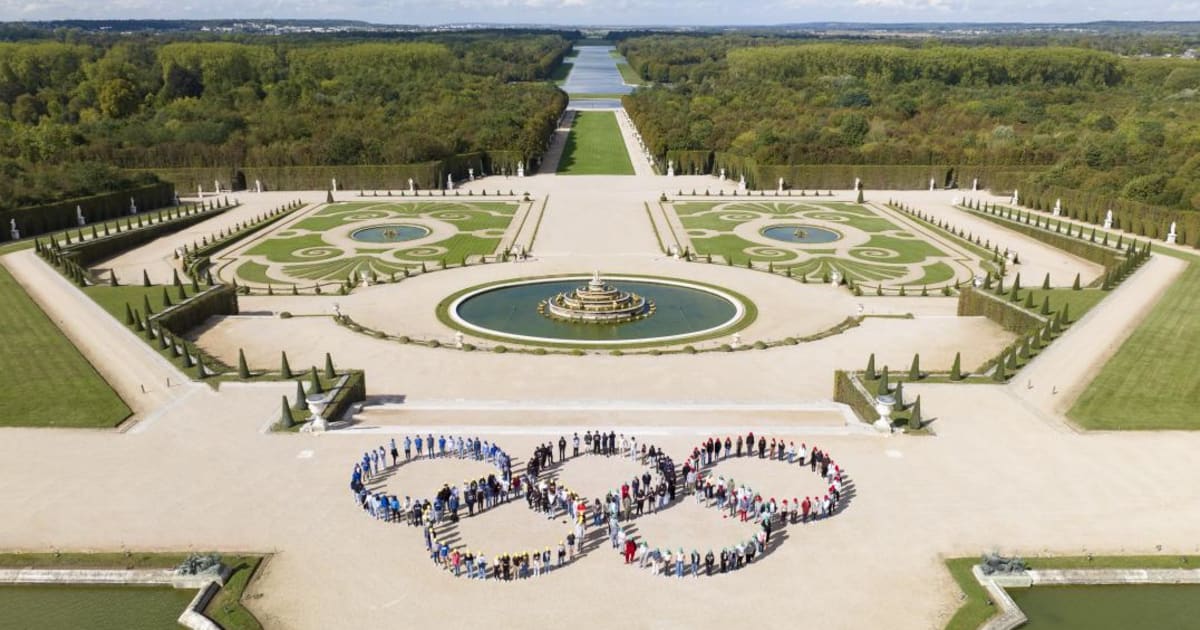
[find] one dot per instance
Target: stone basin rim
(452, 311)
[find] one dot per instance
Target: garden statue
(737, 340)
(741, 183)
(993, 563)
(176, 200)
(132, 206)
(931, 184)
(79, 216)
(257, 185)
(857, 184)
(471, 174)
(1108, 220)
(670, 168)
(411, 188)
(458, 340)
(216, 185)
(1057, 207)
(200, 190)
(12, 228)
(449, 182)
(1171, 235)
(1016, 198)
(975, 184)
(333, 184)
(722, 174)
(780, 188)
(197, 564)
(521, 169)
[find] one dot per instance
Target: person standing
(562, 448)
(575, 445)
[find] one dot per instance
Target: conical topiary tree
(871, 368)
(301, 399)
(128, 315)
(243, 369)
(898, 393)
(914, 371)
(1066, 313)
(180, 293)
(329, 371)
(998, 375)
(112, 278)
(201, 373)
(1075, 285)
(883, 389)
(914, 419)
(859, 199)
(285, 415)
(956, 369)
(175, 278)
(145, 278)
(285, 370)
(315, 386)
(1045, 305)
(1046, 282)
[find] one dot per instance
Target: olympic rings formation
(543, 493)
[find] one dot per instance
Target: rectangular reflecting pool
(47, 607)
(1117, 607)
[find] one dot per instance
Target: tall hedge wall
(221, 299)
(1140, 218)
(425, 176)
(352, 391)
(846, 389)
(873, 176)
(973, 303)
(90, 251)
(36, 220)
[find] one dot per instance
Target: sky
(612, 12)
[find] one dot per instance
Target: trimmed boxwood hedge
(36, 220)
(219, 300)
(847, 390)
(352, 390)
(93, 250)
(973, 302)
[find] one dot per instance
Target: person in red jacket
(630, 549)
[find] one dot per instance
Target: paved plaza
(198, 469)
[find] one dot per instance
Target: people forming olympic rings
(660, 486)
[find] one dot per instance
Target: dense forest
(73, 108)
(1086, 119)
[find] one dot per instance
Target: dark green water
(1142, 607)
(38, 607)
(679, 310)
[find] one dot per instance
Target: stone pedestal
(316, 406)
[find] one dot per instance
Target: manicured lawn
(1152, 381)
(55, 384)
(595, 147)
(628, 74)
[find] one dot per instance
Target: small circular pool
(389, 233)
(800, 234)
(510, 310)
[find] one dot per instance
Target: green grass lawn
(57, 387)
(1152, 381)
(628, 74)
(595, 147)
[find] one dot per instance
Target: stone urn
(316, 406)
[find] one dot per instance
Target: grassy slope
(1152, 381)
(57, 386)
(595, 147)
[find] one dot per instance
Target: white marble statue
(132, 206)
(1016, 198)
(79, 218)
(257, 185)
(411, 186)
(521, 169)
(975, 184)
(741, 183)
(722, 174)
(1058, 207)
(670, 168)
(449, 182)
(931, 184)
(200, 190)
(857, 184)
(12, 229)
(779, 189)
(1171, 235)
(216, 185)
(471, 174)
(1108, 220)
(333, 184)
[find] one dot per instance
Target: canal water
(92, 607)
(594, 71)
(1149, 606)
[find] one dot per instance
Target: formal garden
(815, 239)
(372, 241)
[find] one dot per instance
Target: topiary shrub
(725, 348)
(500, 349)
(539, 351)
(285, 415)
(760, 345)
(243, 369)
(689, 349)
(956, 369)
(434, 343)
(285, 315)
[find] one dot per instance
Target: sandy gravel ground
(1003, 472)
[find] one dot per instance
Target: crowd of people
(656, 488)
